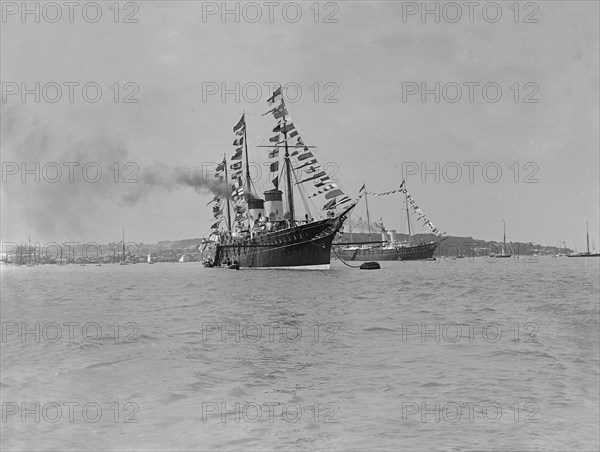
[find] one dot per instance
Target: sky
(378, 95)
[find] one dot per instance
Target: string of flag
(285, 131)
(416, 210)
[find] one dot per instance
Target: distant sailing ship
(503, 253)
(392, 249)
(265, 233)
(587, 240)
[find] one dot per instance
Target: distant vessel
(150, 259)
(587, 240)
(562, 254)
(266, 233)
(503, 253)
(392, 249)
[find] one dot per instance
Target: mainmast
(587, 237)
(288, 172)
(123, 244)
(227, 193)
(504, 238)
(368, 218)
(407, 215)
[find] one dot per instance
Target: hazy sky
(543, 127)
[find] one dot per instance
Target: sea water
(445, 355)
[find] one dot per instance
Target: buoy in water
(370, 266)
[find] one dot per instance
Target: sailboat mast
(227, 191)
(368, 218)
(587, 237)
(288, 172)
(504, 239)
(350, 226)
(123, 244)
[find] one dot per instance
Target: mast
(407, 215)
(368, 219)
(504, 239)
(288, 172)
(227, 188)
(587, 237)
(123, 244)
(350, 226)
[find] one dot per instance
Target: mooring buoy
(370, 266)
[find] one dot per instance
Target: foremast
(288, 170)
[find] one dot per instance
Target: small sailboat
(503, 253)
(150, 261)
(587, 240)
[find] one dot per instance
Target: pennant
(240, 125)
(238, 154)
(316, 176)
(334, 193)
(236, 166)
(280, 112)
(274, 153)
(215, 225)
(344, 200)
(220, 167)
(276, 182)
(277, 128)
(329, 205)
(274, 139)
(324, 189)
(287, 128)
(305, 156)
(293, 134)
(238, 142)
(215, 199)
(274, 167)
(308, 163)
(276, 97)
(237, 175)
(217, 214)
(402, 184)
(312, 169)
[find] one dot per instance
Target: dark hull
(585, 255)
(307, 246)
(405, 253)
